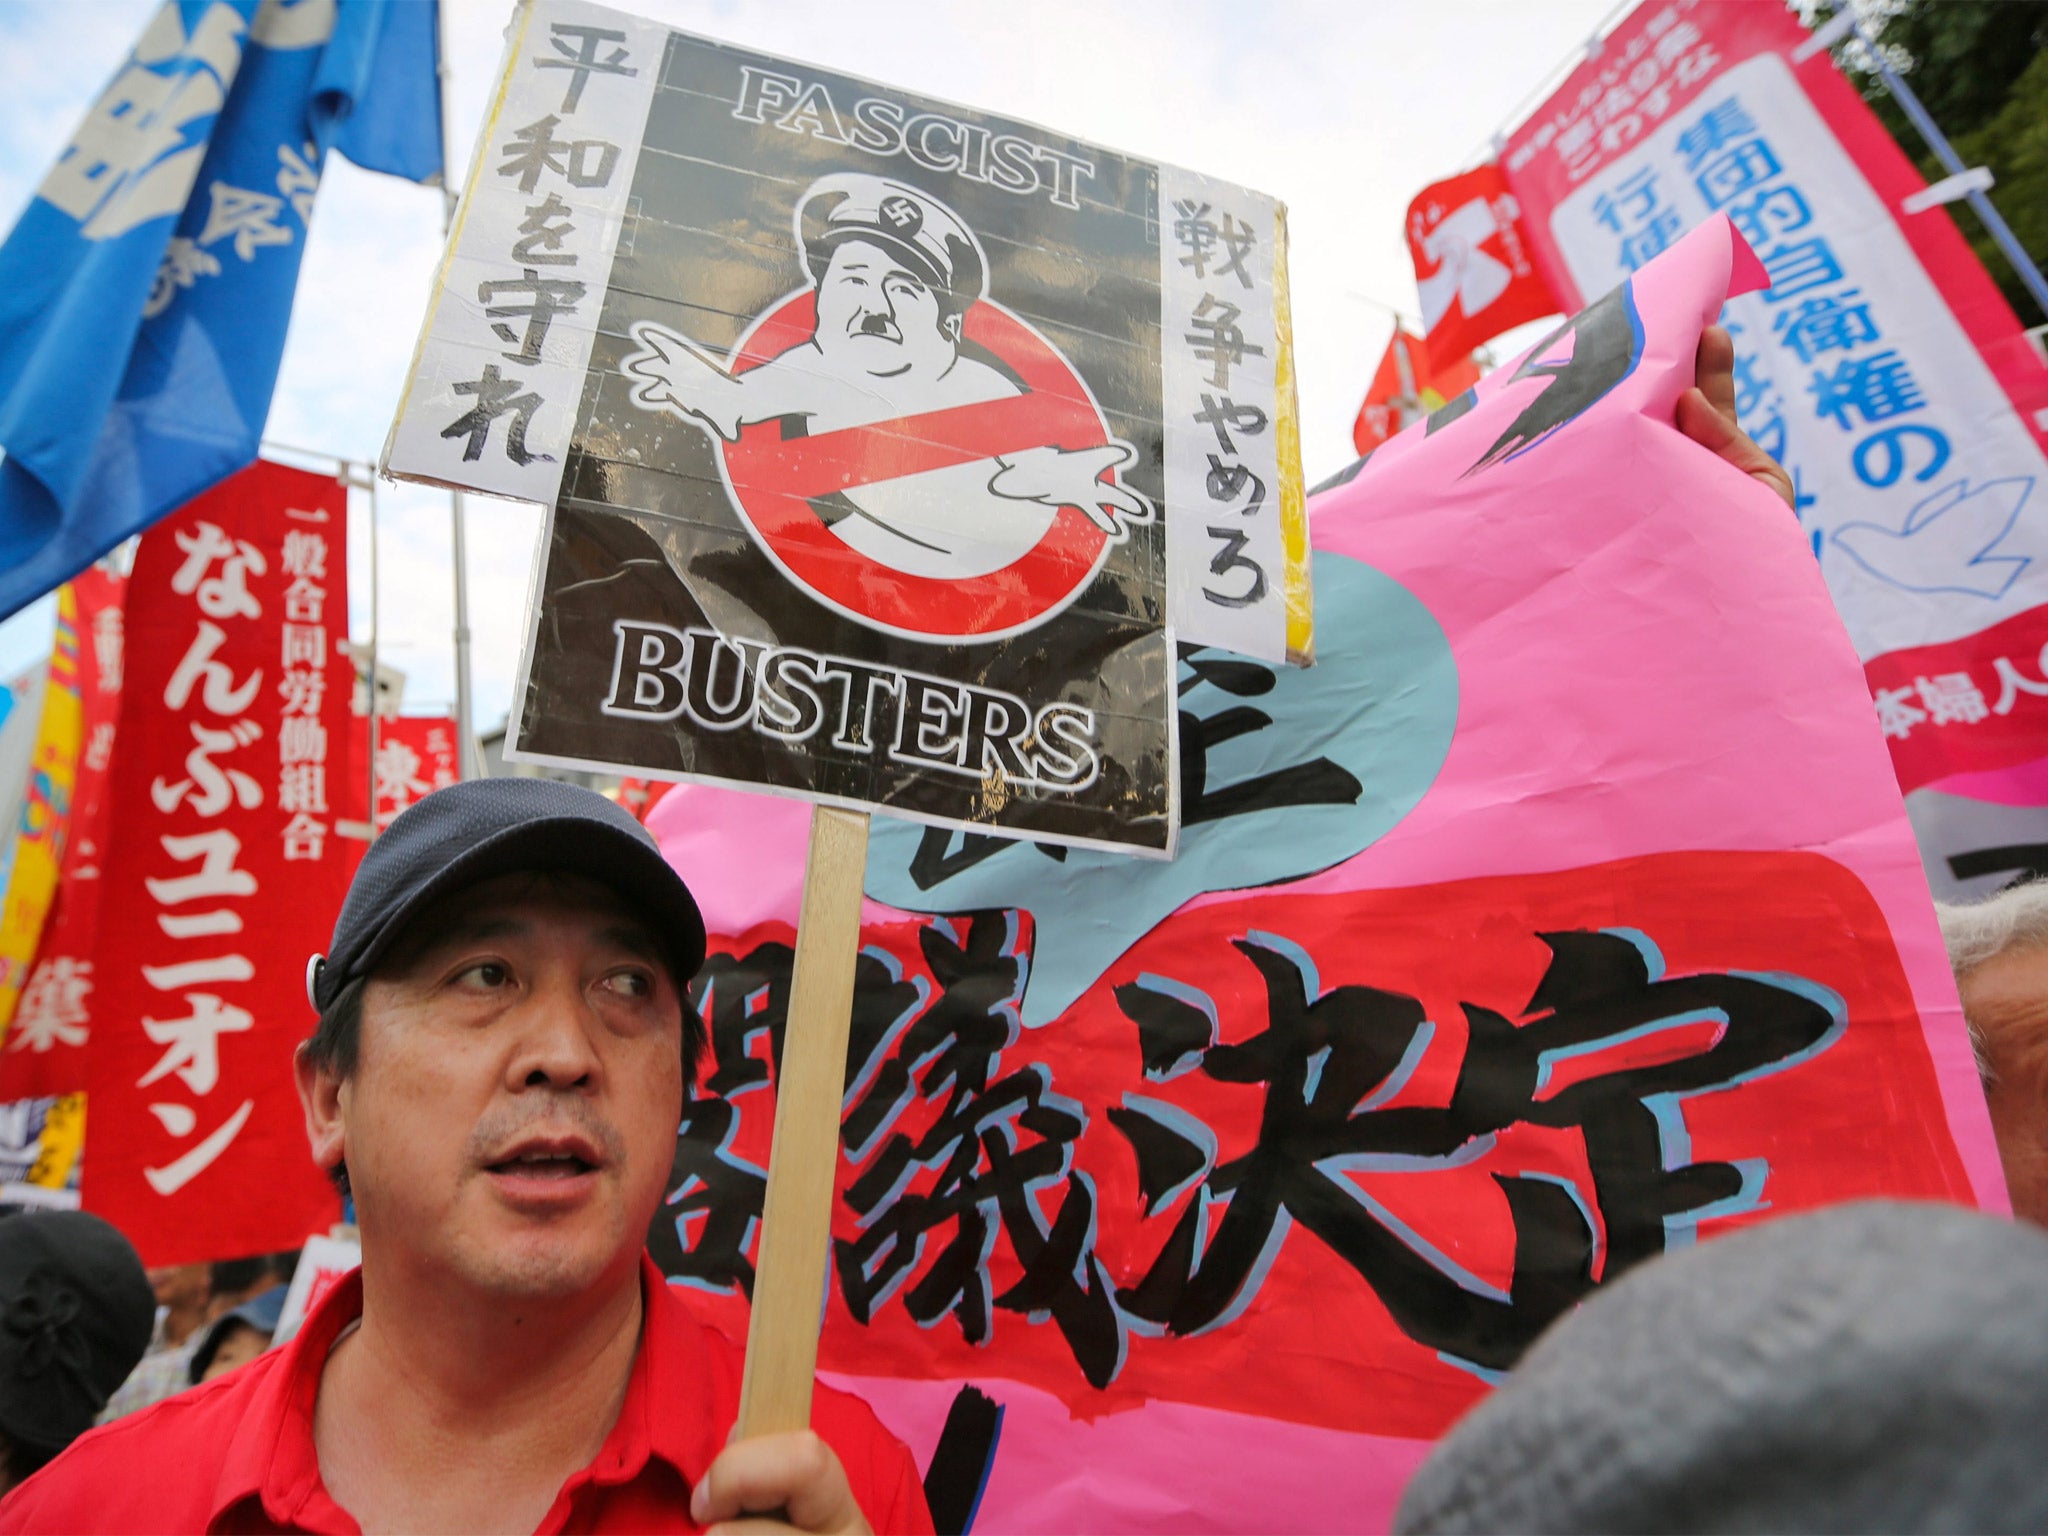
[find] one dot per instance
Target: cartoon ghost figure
(894, 273)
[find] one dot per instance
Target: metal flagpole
(467, 765)
(371, 477)
(1972, 185)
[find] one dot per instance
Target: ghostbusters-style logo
(908, 451)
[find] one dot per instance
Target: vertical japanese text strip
(221, 842)
(495, 387)
(1226, 559)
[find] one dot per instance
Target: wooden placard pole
(796, 1218)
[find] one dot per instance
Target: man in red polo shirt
(497, 1076)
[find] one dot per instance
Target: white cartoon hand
(672, 375)
(1060, 477)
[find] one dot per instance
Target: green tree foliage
(1980, 67)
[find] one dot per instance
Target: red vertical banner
(415, 757)
(1645, 140)
(44, 1050)
(223, 836)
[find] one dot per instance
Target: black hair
(237, 1275)
(337, 1037)
(339, 1032)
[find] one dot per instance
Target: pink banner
(1502, 952)
(1882, 367)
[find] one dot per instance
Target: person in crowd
(1999, 951)
(76, 1310)
(282, 1265)
(184, 1298)
(167, 1369)
(1878, 1366)
(497, 1075)
(184, 1292)
(235, 1338)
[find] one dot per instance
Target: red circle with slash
(772, 481)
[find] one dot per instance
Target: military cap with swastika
(920, 231)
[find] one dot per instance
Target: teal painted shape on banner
(1284, 772)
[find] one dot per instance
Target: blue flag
(144, 293)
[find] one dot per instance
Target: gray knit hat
(1881, 1366)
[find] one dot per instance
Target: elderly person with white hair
(1999, 950)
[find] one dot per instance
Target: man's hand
(777, 1483)
(1706, 414)
(1058, 477)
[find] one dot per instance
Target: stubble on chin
(524, 1256)
(536, 1259)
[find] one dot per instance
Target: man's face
(876, 317)
(2006, 998)
(512, 1114)
(181, 1287)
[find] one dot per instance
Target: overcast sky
(1344, 109)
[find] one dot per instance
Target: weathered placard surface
(888, 444)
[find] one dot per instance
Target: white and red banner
(44, 1050)
(222, 839)
(1473, 268)
(1882, 366)
(415, 757)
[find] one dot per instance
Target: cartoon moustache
(875, 323)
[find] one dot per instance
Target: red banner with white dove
(222, 834)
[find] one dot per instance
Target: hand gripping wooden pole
(796, 1220)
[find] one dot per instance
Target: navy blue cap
(476, 831)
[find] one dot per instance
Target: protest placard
(887, 443)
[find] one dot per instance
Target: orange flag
(1404, 390)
